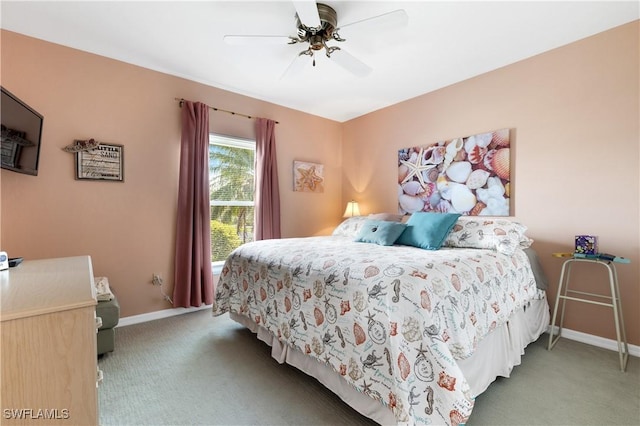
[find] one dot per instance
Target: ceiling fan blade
(296, 66)
(307, 11)
(394, 19)
(256, 39)
(349, 62)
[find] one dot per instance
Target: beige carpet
(195, 369)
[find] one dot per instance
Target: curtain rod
(222, 110)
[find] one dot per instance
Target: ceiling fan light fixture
(316, 42)
(317, 37)
(330, 50)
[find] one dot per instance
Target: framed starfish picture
(470, 175)
(308, 177)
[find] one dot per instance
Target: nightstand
(613, 301)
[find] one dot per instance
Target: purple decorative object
(586, 244)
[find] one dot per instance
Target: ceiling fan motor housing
(317, 37)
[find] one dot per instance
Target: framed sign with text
(104, 162)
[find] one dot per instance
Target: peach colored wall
(128, 228)
(575, 159)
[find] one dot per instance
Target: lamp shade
(352, 209)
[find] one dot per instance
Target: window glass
(231, 187)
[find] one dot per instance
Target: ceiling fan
(317, 24)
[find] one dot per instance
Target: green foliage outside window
(223, 240)
(231, 188)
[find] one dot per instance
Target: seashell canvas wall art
(470, 175)
(308, 177)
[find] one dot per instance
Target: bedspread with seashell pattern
(392, 321)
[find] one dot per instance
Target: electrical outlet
(156, 280)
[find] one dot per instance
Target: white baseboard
(578, 336)
(150, 316)
(598, 341)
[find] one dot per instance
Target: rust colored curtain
(193, 283)
(267, 196)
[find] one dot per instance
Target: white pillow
(502, 235)
(349, 227)
(103, 292)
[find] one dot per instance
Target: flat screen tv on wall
(21, 135)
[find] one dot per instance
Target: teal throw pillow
(380, 232)
(428, 230)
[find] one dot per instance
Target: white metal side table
(613, 302)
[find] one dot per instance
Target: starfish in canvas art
(416, 168)
(308, 178)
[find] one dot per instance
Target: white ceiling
(443, 43)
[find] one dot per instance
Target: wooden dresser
(48, 347)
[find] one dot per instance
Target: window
(231, 187)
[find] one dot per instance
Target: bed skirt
(495, 356)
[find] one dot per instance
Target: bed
(403, 334)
